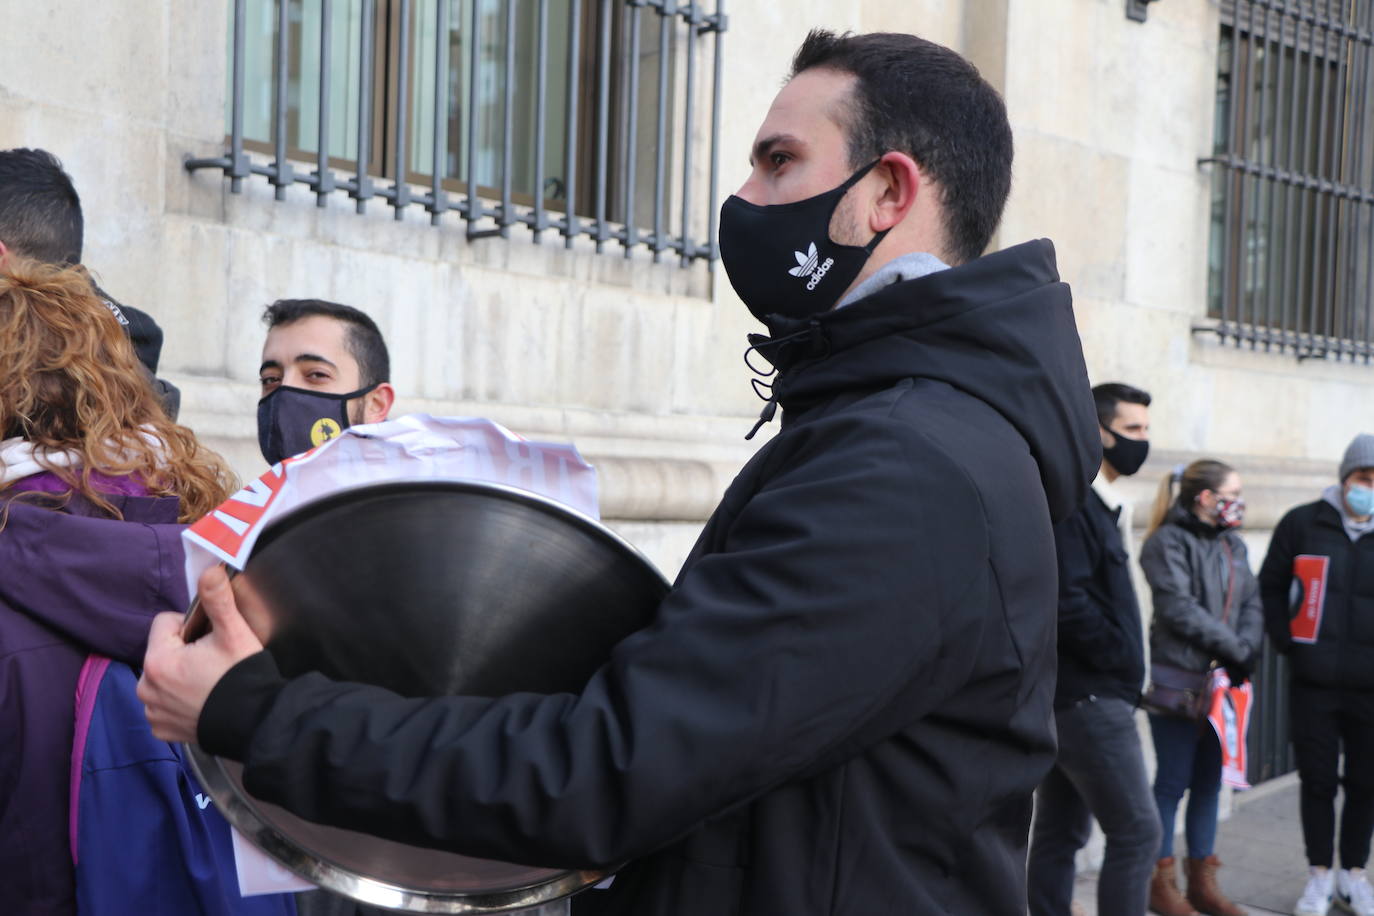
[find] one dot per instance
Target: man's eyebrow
(313, 358)
(762, 147)
(299, 358)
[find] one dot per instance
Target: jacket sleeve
(1086, 630)
(1165, 562)
(843, 607)
(1276, 583)
(98, 580)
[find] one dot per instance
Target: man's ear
(901, 183)
(377, 403)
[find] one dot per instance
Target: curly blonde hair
(70, 383)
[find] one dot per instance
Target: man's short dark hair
(922, 99)
(40, 212)
(1107, 395)
(364, 341)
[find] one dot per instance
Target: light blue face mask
(1360, 499)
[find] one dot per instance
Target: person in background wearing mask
(1320, 571)
(844, 704)
(1100, 769)
(1206, 613)
(324, 368)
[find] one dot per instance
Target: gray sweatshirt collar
(910, 266)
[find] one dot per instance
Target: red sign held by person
(1229, 715)
(1310, 572)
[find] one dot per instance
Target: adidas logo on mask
(807, 267)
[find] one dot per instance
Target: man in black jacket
(843, 706)
(1317, 585)
(1100, 770)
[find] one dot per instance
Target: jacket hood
(1000, 328)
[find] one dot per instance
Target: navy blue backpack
(145, 837)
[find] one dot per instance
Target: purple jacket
(71, 582)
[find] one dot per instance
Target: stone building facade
(638, 362)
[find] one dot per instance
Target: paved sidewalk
(1261, 849)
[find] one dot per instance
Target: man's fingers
(217, 599)
(166, 625)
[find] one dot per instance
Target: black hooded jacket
(1342, 658)
(1101, 645)
(843, 706)
(146, 336)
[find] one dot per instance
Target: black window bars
(579, 98)
(1291, 265)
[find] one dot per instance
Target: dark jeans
(1324, 721)
(1188, 758)
(1100, 773)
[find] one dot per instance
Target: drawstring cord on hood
(819, 345)
(770, 407)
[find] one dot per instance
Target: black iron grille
(1292, 243)
(583, 119)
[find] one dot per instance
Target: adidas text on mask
(767, 250)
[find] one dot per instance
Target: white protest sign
(414, 447)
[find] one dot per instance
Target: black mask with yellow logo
(295, 420)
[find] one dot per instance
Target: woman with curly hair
(94, 479)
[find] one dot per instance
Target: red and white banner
(1310, 572)
(414, 447)
(1229, 713)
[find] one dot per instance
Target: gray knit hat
(1359, 454)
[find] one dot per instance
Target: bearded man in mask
(1100, 770)
(844, 704)
(324, 368)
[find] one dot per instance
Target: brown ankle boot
(1165, 898)
(1203, 891)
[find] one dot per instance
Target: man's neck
(1109, 472)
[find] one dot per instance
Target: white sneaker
(1316, 896)
(1353, 892)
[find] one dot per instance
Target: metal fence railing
(1268, 751)
(585, 119)
(1292, 249)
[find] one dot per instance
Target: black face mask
(294, 420)
(1127, 455)
(780, 259)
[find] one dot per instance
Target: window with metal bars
(1291, 264)
(588, 119)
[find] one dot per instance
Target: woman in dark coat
(1207, 613)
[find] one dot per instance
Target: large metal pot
(433, 588)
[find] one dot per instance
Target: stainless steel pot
(432, 588)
